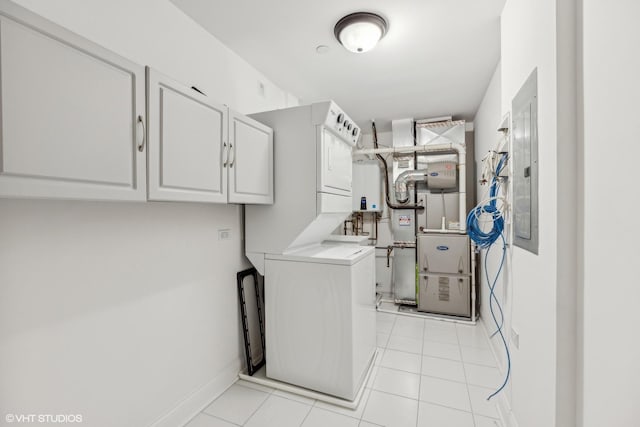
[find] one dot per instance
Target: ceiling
(436, 59)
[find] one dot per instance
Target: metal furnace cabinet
(445, 274)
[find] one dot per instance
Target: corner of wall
(201, 398)
(580, 216)
(567, 226)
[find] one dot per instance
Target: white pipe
(462, 180)
(448, 146)
(404, 244)
(439, 230)
(473, 281)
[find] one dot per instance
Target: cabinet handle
(225, 154)
(234, 155)
(144, 135)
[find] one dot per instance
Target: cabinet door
(188, 151)
(335, 164)
(72, 114)
(250, 161)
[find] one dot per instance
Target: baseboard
(201, 398)
(506, 415)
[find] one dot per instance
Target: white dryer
(319, 298)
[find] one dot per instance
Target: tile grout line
(294, 400)
(270, 392)
(364, 409)
(421, 356)
(400, 370)
(418, 399)
(333, 411)
(246, 387)
(217, 418)
(445, 406)
(480, 364)
(453, 408)
(445, 379)
(420, 374)
(420, 382)
(307, 414)
(466, 380)
(259, 406)
(421, 361)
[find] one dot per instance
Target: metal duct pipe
(386, 175)
(460, 148)
(407, 179)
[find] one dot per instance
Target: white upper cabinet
(200, 151)
(188, 146)
(73, 125)
(72, 122)
(250, 161)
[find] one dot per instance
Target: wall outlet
(224, 234)
(515, 338)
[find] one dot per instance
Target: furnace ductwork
(408, 179)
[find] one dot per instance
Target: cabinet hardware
(144, 135)
(234, 155)
(225, 155)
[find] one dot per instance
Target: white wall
(529, 41)
(567, 199)
(122, 312)
(542, 35)
(158, 34)
(610, 345)
(486, 122)
(577, 361)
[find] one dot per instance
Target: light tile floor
(428, 373)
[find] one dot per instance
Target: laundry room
(308, 214)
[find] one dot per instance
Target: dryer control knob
(340, 117)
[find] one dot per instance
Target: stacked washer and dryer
(319, 294)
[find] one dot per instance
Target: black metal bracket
(251, 367)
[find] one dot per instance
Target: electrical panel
(525, 164)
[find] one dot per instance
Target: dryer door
(334, 163)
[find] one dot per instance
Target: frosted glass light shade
(360, 32)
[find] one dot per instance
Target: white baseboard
(506, 415)
(201, 398)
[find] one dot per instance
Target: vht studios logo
(43, 418)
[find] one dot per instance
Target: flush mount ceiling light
(360, 31)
